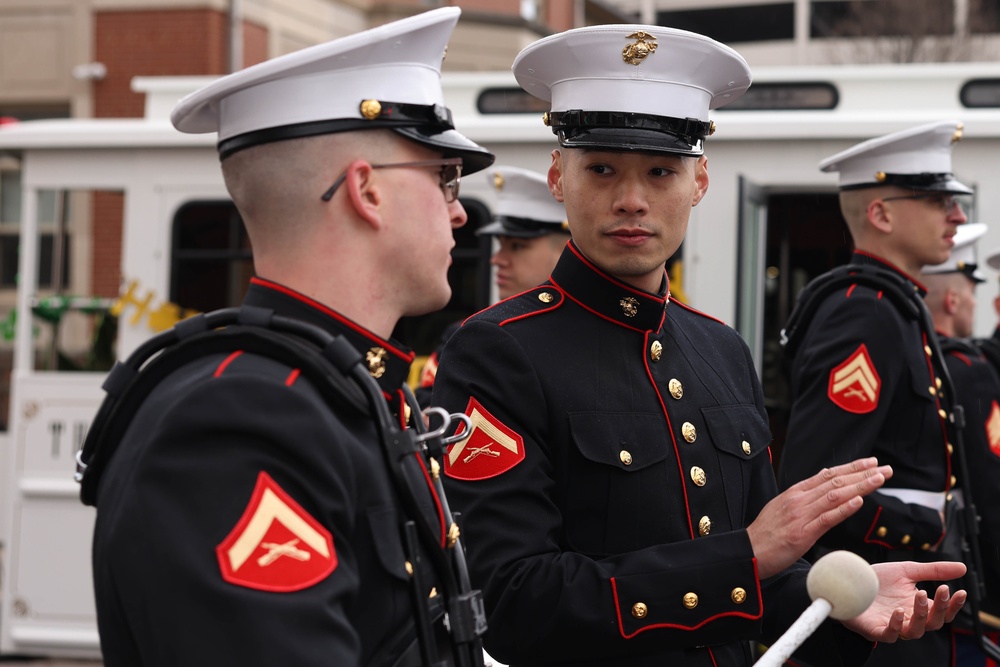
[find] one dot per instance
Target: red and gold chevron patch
(276, 546)
(854, 384)
(491, 449)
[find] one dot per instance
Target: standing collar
(607, 297)
(388, 361)
(864, 258)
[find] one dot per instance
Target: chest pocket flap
(627, 441)
(738, 430)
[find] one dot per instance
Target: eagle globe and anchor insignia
(644, 45)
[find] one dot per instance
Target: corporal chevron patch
(993, 429)
(854, 384)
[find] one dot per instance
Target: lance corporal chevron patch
(491, 449)
(276, 545)
(854, 384)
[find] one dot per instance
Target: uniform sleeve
(190, 488)
(546, 602)
(848, 375)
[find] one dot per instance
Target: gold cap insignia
(376, 362)
(635, 53)
(711, 127)
(498, 181)
(371, 109)
(957, 136)
(880, 176)
(546, 119)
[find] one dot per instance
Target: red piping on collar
(895, 268)
(618, 283)
(263, 282)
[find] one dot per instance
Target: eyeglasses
(450, 174)
(945, 202)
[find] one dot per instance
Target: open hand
(900, 610)
(793, 520)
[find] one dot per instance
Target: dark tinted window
(747, 23)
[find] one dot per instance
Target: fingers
(943, 570)
(955, 605)
(840, 493)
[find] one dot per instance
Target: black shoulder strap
(131, 381)
(960, 345)
(990, 347)
(900, 292)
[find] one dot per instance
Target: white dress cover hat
(525, 207)
(632, 87)
(385, 77)
(918, 158)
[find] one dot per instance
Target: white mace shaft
(804, 625)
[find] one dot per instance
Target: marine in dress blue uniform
(618, 447)
(245, 518)
(863, 374)
(951, 300)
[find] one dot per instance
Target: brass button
(882, 531)
(690, 600)
(629, 306)
(951, 448)
(948, 497)
(639, 610)
(545, 297)
(739, 595)
(927, 350)
(689, 432)
(746, 448)
(656, 350)
(704, 526)
(905, 540)
(954, 480)
(925, 546)
(937, 382)
(932, 391)
(676, 388)
(408, 566)
(698, 476)
(625, 457)
(433, 593)
(942, 414)
(370, 109)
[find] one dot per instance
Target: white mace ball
(845, 580)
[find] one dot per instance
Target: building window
(912, 19)
(211, 258)
(51, 208)
(740, 23)
(984, 16)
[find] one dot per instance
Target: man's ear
(700, 179)
(951, 301)
(555, 176)
(880, 216)
(364, 193)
